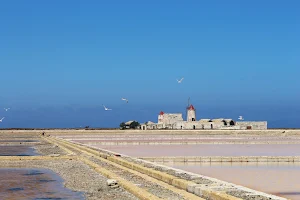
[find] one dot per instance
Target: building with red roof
(175, 121)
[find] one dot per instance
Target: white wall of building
(175, 121)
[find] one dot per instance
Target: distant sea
(76, 117)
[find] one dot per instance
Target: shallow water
(278, 179)
(182, 138)
(17, 151)
(206, 150)
(19, 141)
(34, 184)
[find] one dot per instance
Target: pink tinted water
(33, 184)
(180, 138)
(206, 150)
(278, 179)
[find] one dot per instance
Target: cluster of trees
(133, 125)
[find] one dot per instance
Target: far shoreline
(284, 132)
(177, 130)
(106, 128)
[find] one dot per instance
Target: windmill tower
(161, 117)
(190, 112)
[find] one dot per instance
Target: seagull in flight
(6, 109)
(106, 108)
(2, 119)
(241, 118)
(123, 99)
(179, 81)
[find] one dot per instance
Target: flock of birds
(6, 109)
(178, 81)
(124, 99)
(105, 108)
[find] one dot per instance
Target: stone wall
(199, 125)
(171, 118)
(254, 125)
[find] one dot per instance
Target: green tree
(122, 125)
(134, 124)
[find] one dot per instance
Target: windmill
(190, 107)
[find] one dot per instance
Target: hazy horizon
(97, 117)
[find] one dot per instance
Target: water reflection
(34, 184)
(19, 141)
(206, 150)
(281, 165)
(17, 151)
(281, 179)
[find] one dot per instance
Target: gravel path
(78, 177)
(48, 149)
(153, 188)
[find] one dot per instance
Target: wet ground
(206, 150)
(281, 179)
(33, 184)
(17, 151)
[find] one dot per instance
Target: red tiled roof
(161, 113)
(191, 107)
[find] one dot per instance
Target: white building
(175, 121)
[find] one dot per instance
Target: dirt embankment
(78, 177)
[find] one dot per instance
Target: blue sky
(61, 60)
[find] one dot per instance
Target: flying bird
(2, 119)
(241, 118)
(106, 108)
(179, 81)
(6, 109)
(123, 99)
